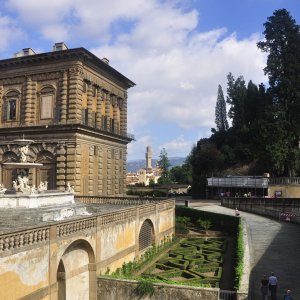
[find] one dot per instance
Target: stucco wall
(24, 272)
(31, 260)
(288, 191)
(116, 289)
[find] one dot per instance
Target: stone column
(109, 163)
(90, 105)
(117, 174)
(107, 111)
(98, 108)
(100, 172)
(34, 102)
(124, 115)
(91, 170)
(124, 156)
(75, 95)
(1, 104)
(115, 115)
(63, 98)
(61, 168)
(28, 99)
(72, 158)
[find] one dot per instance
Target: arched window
(11, 104)
(146, 236)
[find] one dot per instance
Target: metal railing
(285, 180)
(238, 181)
(227, 295)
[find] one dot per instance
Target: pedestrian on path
(237, 213)
(287, 295)
(264, 287)
(273, 283)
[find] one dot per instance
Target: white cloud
(156, 44)
(139, 146)
(9, 32)
(177, 147)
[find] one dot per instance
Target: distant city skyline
(177, 52)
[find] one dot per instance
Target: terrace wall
(111, 289)
(64, 257)
(269, 207)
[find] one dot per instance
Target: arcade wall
(64, 258)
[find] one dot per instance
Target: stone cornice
(80, 54)
(64, 130)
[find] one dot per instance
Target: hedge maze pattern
(193, 261)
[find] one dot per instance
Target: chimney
(24, 52)
(106, 60)
(59, 46)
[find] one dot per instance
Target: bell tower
(149, 157)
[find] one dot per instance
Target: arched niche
(146, 235)
(76, 278)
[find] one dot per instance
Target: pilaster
(71, 164)
(90, 105)
(91, 170)
(107, 110)
(61, 167)
(99, 108)
(100, 171)
(75, 95)
(115, 115)
(28, 104)
(63, 98)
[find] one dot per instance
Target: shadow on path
(274, 247)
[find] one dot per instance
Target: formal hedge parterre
(193, 261)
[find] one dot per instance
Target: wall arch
(146, 235)
(76, 273)
(47, 172)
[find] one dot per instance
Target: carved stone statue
(2, 189)
(23, 152)
(43, 186)
(21, 185)
(70, 188)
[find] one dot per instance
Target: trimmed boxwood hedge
(226, 223)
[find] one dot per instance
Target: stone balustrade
(24, 238)
(118, 200)
(61, 229)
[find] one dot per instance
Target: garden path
(274, 247)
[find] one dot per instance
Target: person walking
(287, 295)
(264, 287)
(273, 283)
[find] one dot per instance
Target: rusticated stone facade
(74, 106)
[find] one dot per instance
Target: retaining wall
(115, 289)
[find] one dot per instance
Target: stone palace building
(74, 106)
(64, 121)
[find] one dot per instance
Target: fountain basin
(22, 165)
(36, 200)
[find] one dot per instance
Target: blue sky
(176, 51)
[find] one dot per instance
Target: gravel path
(274, 247)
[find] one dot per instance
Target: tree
(236, 95)
(205, 160)
(164, 165)
(182, 174)
(282, 43)
(220, 111)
